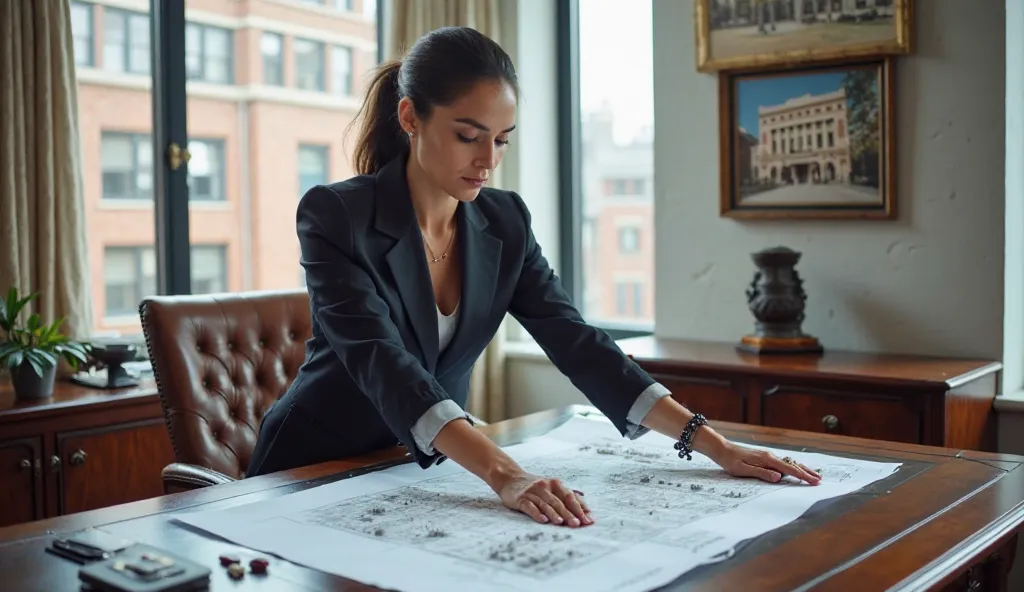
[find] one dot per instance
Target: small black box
(141, 568)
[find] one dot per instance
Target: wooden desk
(899, 398)
(79, 450)
(946, 519)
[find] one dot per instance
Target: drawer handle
(830, 422)
(78, 458)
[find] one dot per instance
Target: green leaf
(34, 323)
(15, 360)
(44, 358)
(7, 348)
(35, 364)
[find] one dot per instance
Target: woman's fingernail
(574, 522)
(543, 518)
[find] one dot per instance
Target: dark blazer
(372, 366)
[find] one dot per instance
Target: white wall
(931, 282)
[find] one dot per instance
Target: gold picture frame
(874, 28)
(821, 143)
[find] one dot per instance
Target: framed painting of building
(810, 143)
(744, 34)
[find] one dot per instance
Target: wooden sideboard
(80, 450)
(899, 398)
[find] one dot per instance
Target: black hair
(438, 69)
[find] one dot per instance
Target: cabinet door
(112, 465)
(21, 492)
(716, 399)
(838, 412)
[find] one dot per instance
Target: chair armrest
(185, 477)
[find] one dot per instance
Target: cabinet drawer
(717, 399)
(844, 413)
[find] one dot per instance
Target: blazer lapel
(481, 254)
(407, 259)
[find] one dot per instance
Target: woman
(413, 264)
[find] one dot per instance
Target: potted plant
(31, 351)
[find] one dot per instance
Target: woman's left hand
(740, 461)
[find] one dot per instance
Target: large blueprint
(657, 517)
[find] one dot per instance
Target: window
(309, 64)
(345, 5)
(607, 154)
(229, 225)
(629, 299)
(127, 164)
(125, 41)
(206, 170)
(341, 71)
(312, 167)
(273, 64)
(129, 275)
(629, 240)
(208, 54)
(209, 269)
(81, 30)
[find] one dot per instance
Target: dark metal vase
(776, 299)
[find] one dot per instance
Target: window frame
(89, 60)
(221, 163)
(279, 71)
(203, 28)
(126, 47)
(321, 47)
(135, 139)
(322, 151)
(570, 207)
(167, 25)
(137, 253)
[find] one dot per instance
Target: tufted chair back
(220, 361)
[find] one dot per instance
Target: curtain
(410, 20)
(42, 216)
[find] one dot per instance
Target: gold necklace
(434, 258)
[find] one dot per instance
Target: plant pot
(29, 386)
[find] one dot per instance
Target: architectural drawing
(444, 521)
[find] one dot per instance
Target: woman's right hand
(545, 500)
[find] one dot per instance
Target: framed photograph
(743, 34)
(810, 143)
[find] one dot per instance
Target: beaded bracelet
(685, 443)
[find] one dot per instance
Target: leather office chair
(220, 361)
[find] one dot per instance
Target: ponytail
(440, 67)
(380, 135)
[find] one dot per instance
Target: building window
(126, 162)
(129, 275)
(629, 299)
(273, 63)
(206, 170)
(208, 54)
(309, 64)
(626, 187)
(313, 168)
(610, 122)
(345, 5)
(81, 30)
(209, 269)
(125, 41)
(341, 71)
(629, 239)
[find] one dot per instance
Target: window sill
(525, 350)
(1012, 402)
